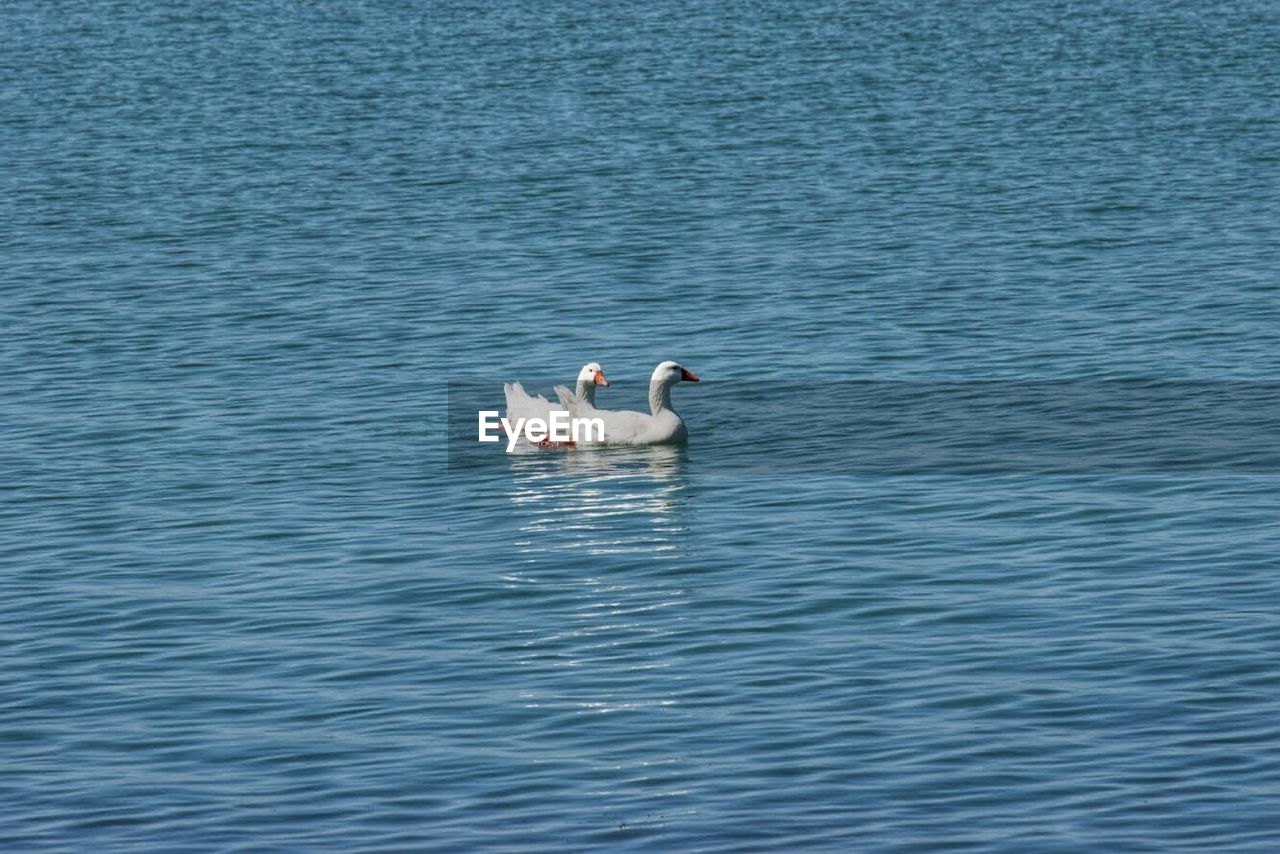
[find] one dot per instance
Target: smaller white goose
(663, 426)
(520, 404)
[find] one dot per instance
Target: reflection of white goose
(598, 501)
(520, 404)
(663, 426)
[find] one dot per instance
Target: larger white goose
(521, 404)
(663, 426)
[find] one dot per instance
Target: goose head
(669, 373)
(664, 377)
(589, 377)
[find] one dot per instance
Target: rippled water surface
(251, 602)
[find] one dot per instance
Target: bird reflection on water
(629, 504)
(573, 499)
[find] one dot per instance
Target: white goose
(520, 404)
(623, 427)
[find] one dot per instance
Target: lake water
(254, 600)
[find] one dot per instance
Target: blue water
(249, 604)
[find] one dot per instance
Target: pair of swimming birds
(662, 425)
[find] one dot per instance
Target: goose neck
(659, 396)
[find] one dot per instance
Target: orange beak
(688, 377)
(600, 380)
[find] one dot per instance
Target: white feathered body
(660, 426)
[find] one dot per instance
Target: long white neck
(659, 395)
(586, 390)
